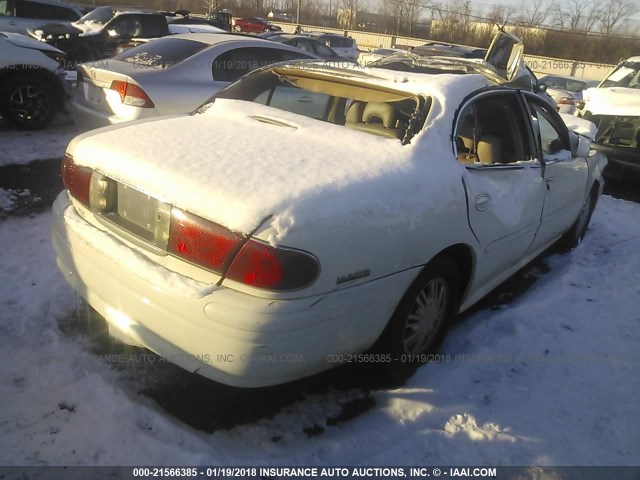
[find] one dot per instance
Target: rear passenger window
(55, 12)
(232, 65)
(28, 10)
(340, 42)
(153, 26)
(492, 130)
(6, 9)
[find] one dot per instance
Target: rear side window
(339, 42)
(28, 10)
(162, 53)
(44, 11)
(231, 65)
(6, 8)
(139, 26)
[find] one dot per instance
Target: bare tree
(612, 15)
(349, 14)
(404, 12)
(575, 14)
(534, 12)
(211, 5)
(500, 14)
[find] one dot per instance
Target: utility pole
(298, 13)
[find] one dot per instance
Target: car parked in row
(495, 64)
(449, 50)
(311, 45)
(18, 16)
(360, 220)
(341, 44)
(253, 25)
(99, 33)
(174, 74)
(566, 91)
(614, 106)
(32, 81)
(366, 58)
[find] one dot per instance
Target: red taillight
(200, 241)
(218, 249)
(257, 265)
(567, 101)
(263, 266)
(131, 94)
(76, 179)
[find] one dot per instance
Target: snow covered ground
(552, 378)
(19, 148)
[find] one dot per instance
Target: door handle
(549, 181)
(483, 202)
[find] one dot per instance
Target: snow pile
(7, 199)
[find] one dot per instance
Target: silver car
(170, 75)
(566, 91)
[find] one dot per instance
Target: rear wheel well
(463, 257)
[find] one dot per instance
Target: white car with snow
(271, 239)
(614, 106)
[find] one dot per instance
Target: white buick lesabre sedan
(308, 214)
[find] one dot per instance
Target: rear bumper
(225, 335)
(622, 162)
(86, 117)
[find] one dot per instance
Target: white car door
(565, 175)
(503, 181)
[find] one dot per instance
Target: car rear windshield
(162, 53)
(324, 96)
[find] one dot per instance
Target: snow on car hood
(620, 101)
(236, 169)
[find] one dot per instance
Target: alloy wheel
(426, 316)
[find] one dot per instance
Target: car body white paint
(248, 337)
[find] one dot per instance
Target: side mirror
(542, 87)
(584, 146)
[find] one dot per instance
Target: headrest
(354, 114)
(381, 111)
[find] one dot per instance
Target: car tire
(422, 317)
(237, 28)
(266, 30)
(28, 102)
(576, 233)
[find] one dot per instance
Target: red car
(254, 25)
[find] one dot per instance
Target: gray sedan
(170, 75)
